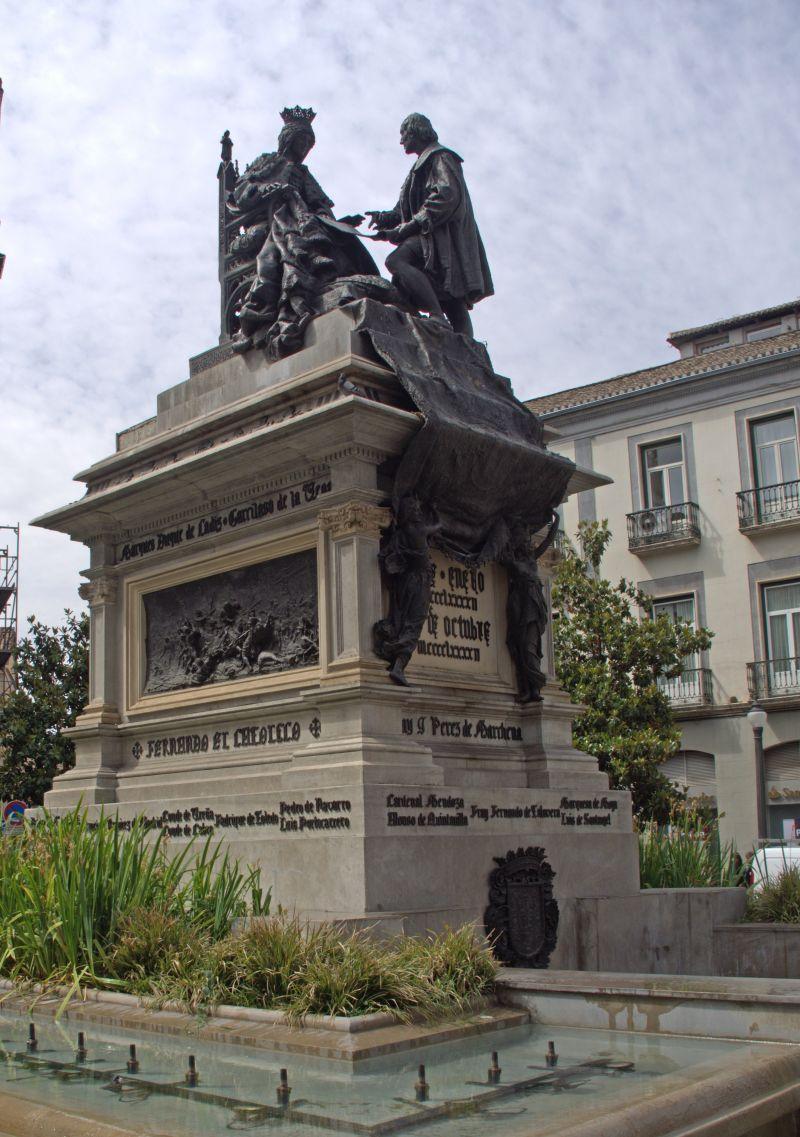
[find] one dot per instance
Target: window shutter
(692, 768)
(782, 761)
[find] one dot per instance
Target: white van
(769, 862)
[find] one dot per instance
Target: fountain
(540, 1080)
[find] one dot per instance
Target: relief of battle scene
(256, 620)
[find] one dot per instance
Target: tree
(610, 660)
(51, 689)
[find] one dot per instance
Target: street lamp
(757, 718)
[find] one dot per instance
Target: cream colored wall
(722, 557)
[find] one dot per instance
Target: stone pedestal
(360, 799)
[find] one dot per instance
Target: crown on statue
(298, 114)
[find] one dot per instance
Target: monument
(318, 624)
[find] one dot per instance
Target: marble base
(360, 800)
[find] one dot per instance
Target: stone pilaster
(354, 585)
(553, 762)
(101, 593)
(93, 781)
(361, 744)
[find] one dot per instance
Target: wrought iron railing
(560, 543)
(769, 504)
(662, 524)
(692, 688)
(774, 678)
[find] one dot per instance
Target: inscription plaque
(256, 620)
(461, 630)
(522, 917)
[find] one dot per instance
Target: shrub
(777, 901)
(321, 970)
(259, 967)
(354, 975)
(148, 941)
(450, 969)
(84, 902)
(686, 854)
(305, 969)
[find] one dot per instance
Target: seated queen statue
(287, 221)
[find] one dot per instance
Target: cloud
(634, 168)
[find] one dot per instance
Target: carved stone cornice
(354, 517)
(359, 450)
(101, 590)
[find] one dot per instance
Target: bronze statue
(285, 217)
(407, 567)
(439, 265)
(526, 608)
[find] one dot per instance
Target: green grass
(686, 854)
(101, 905)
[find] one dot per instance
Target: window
(694, 769)
(662, 467)
(782, 762)
(782, 614)
(679, 609)
(774, 443)
(684, 688)
(764, 331)
(712, 345)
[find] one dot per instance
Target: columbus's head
(416, 132)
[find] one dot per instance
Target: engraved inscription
(311, 815)
(477, 729)
(460, 630)
(256, 620)
(429, 811)
(273, 506)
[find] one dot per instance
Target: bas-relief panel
(257, 620)
(465, 629)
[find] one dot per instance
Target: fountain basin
(604, 1083)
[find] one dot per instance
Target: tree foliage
(51, 689)
(609, 656)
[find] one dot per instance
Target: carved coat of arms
(522, 916)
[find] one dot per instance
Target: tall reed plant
(66, 883)
(687, 853)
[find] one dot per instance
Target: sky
(634, 167)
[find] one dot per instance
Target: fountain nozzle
(551, 1058)
(421, 1087)
(493, 1076)
(192, 1077)
(284, 1090)
(80, 1053)
(32, 1045)
(133, 1061)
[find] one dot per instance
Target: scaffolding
(9, 578)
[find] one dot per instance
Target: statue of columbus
(439, 264)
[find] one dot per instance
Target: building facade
(704, 508)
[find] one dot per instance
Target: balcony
(774, 679)
(692, 688)
(663, 527)
(768, 506)
(561, 544)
